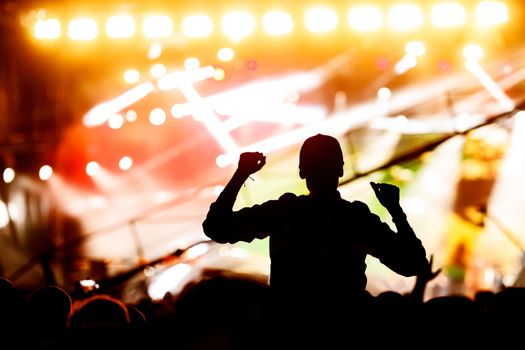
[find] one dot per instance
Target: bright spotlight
(365, 18)
(415, 48)
(157, 116)
(448, 14)
(405, 17)
(8, 175)
(225, 54)
(47, 29)
(384, 93)
(320, 20)
(237, 25)
(45, 172)
(131, 76)
(277, 23)
(82, 29)
(491, 13)
(473, 52)
(197, 26)
(120, 26)
(125, 163)
(116, 121)
(157, 26)
(158, 70)
(92, 168)
(192, 63)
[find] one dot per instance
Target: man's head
(320, 155)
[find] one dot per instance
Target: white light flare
(103, 111)
(473, 66)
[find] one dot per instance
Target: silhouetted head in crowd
(99, 311)
(321, 163)
(48, 307)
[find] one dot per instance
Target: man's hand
(387, 194)
(251, 162)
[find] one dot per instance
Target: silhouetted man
(319, 241)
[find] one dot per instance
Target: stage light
(473, 52)
(157, 26)
(384, 93)
(237, 25)
(92, 168)
(192, 63)
(157, 116)
(45, 172)
(277, 23)
(225, 54)
(365, 18)
(405, 17)
(415, 48)
(82, 29)
(125, 163)
(197, 26)
(158, 70)
(120, 26)
(219, 74)
(448, 14)
(154, 52)
(320, 19)
(131, 76)
(8, 175)
(116, 121)
(47, 29)
(491, 13)
(131, 116)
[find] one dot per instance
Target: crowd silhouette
(316, 296)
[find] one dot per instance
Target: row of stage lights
(45, 172)
(237, 25)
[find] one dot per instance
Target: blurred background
(121, 121)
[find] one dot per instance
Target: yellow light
(154, 52)
(219, 74)
(82, 29)
(125, 163)
(192, 63)
(45, 172)
(131, 116)
(225, 54)
(237, 25)
(92, 168)
(365, 18)
(473, 52)
(405, 17)
(120, 26)
(131, 76)
(158, 70)
(448, 14)
(320, 20)
(8, 175)
(491, 13)
(277, 23)
(384, 93)
(157, 26)
(197, 26)
(47, 29)
(116, 121)
(157, 116)
(415, 48)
